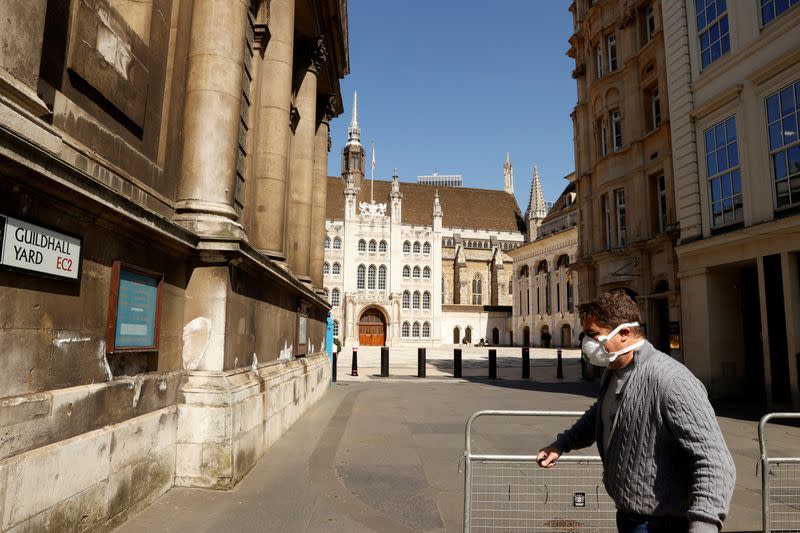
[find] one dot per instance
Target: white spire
(354, 132)
(508, 175)
(536, 206)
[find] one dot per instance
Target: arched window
(335, 298)
(406, 271)
(468, 335)
(456, 335)
(382, 278)
(327, 295)
(542, 268)
(406, 247)
(406, 300)
(416, 247)
(327, 243)
(362, 274)
(509, 287)
(477, 290)
(382, 247)
(335, 328)
(426, 300)
(326, 269)
(416, 272)
(373, 246)
(371, 277)
(415, 300)
(426, 330)
(406, 330)
(426, 273)
(337, 243)
(415, 330)
(426, 248)
(336, 269)
(563, 261)
(362, 245)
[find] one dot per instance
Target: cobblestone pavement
(383, 455)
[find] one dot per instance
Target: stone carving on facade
(372, 209)
(318, 54)
(294, 118)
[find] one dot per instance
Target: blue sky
(449, 86)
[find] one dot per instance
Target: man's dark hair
(612, 309)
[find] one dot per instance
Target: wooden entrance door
(372, 328)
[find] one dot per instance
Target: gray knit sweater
(666, 454)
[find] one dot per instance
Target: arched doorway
(566, 336)
(495, 336)
(545, 336)
(456, 335)
(526, 336)
(372, 328)
(468, 335)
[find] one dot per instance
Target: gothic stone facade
(184, 144)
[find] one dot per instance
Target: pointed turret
(353, 153)
(537, 209)
(508, 175)
(354, 132)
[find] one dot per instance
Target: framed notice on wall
(134, 309)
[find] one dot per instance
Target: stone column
(267, 231)
(301, 182)
(320, 193)
(211, 118)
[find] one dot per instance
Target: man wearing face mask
(665, 461)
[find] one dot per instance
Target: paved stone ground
(383, 455)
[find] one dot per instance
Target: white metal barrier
(511, 493)
(780, 484)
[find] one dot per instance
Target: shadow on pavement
(579, 388)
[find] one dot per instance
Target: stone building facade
(162, 181)
(623, 161)
(413, 264)
(734, 81)
(545, 294)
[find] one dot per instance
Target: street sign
(33, 248)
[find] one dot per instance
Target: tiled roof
(463, 207)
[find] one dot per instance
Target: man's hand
(547, 456)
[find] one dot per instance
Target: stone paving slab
(383, 455)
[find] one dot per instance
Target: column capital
(313, 54)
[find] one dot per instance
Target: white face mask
(595, 349)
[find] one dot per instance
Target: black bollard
(354, 371)
(333, 370)
(384, 361)
(420, 362)
(559, 366)
(457, 363)
(492, 364)
(526, 363)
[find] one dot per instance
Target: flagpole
(372, 175)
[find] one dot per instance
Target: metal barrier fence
(511, 493)
(780, 484)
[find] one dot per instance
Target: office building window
(426, 273)
(406, 330)
(336, 270)
(722, 171)
(406, 300)
(598, 54)
(655, 109)
(415, 300)
(606, 221)
(335, 328)
(362, 245)
(371, 277)
(415, 272)
(783, 118)
(619, 200)
(771, 9)
(406, 247)
(426, 300)
(426, 330)
(335, 297)
(426, 248)
(712, 30)
(415, 330)
(326, 269)
(406, 271)
(327, 243)
(382, 247)
(616, 130)
(661, 202)
(602, 142)
(650, 22)
(416, 247)
(337, 243)
(373, 246)
(612, 53)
